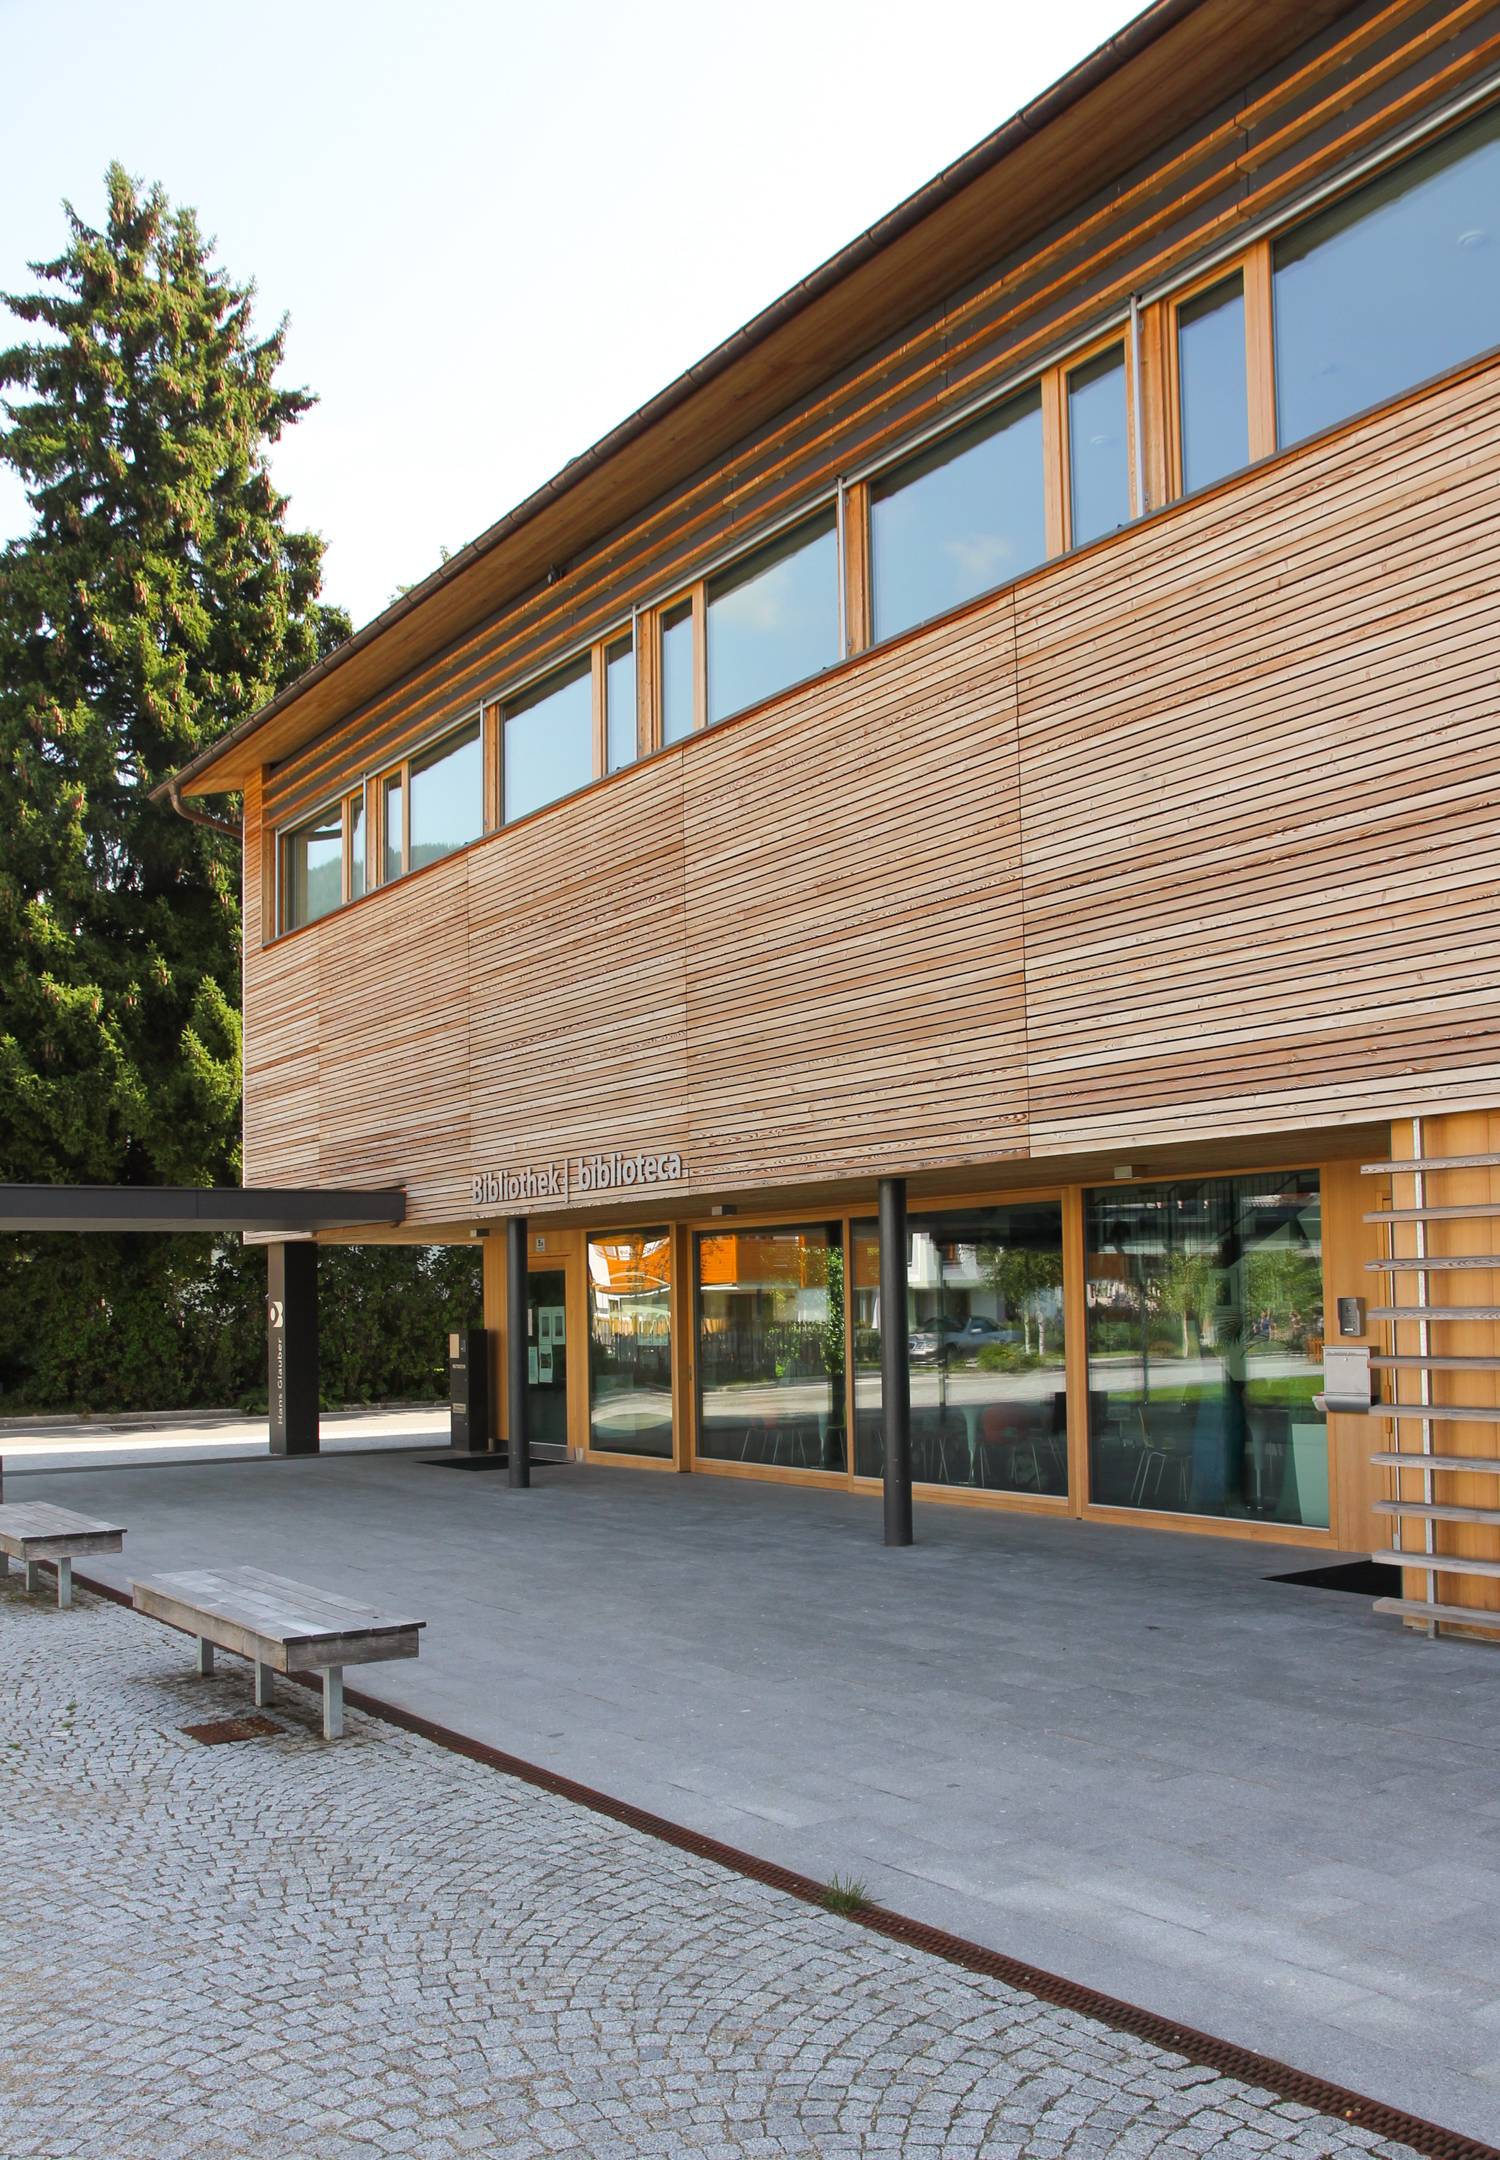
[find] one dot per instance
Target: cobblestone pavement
(284, 1948)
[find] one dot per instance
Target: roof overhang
(291, 1211)
(1172, 64)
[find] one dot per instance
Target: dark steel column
(517, 1418)
(895, 1371)
(292, 1347)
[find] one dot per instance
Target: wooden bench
(279, 1625)
(32, 1531)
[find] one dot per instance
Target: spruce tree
(157, 599)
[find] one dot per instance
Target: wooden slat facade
(1180, 853)
(1189, 835)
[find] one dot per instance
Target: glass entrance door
(547, 1356)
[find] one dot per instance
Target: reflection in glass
(771, 1346)
(773, 619)
(1098, 447)
(630, 1342)
(619, 704)
(356, 847)
(312, 869)
(964, 517)
(390, 826)
(677, 673)
(1205, 1341)
(447, 797)
(1211, 376)
(1395, 283)
(984, 1310)
(547, 1356)
(549, 741)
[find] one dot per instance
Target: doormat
(460, 1459)
(1366, 1578)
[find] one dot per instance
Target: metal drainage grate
(220, 1730)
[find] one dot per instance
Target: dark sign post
(517, 1331)
(895, 1367)
(292, 1347)
(471, 1427)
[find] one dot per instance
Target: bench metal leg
(205, 1657)
(64, 1583)
(4, 1565)
(262, 1685)
(33, 1576)
(333, 1701)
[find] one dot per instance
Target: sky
(496, 229)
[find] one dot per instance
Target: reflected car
(977, 1331)
(924, 1342)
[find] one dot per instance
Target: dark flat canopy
(289, 1209)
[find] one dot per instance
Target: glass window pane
(312, 869)
(771, 1346)
(773, 620)
(447, 797)
(619, 705)
(547, 1356)
(984, 1310)
(549, 742)
(390, 825)
(1098, 447)
(1211, 377)
(964, 517)
(356, 847)
(677, 673)
(1205, 1342)
(630, 1342)
(1396, 283)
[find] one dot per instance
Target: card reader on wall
(1346, 1377)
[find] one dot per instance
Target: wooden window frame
(693, 597)
(626, 633)
(397, 772)
(355, 795)
(855, 561)
(1253, 268)
(282, 837)
(399, 769)
(1057, 448)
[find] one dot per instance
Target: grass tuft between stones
(846, 1894)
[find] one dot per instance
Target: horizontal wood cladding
(1260, 765)
(1378, 70)
(1189, 839)
(394, 1053)
(281, 1113)
(853, 930)
(576, 997)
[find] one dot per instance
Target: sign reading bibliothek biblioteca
(576, 1175)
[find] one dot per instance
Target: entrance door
(547, 1355)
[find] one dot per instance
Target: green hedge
(178, 1323)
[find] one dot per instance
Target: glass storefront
(770, 1317)
(1202, 1301)
(1205, 1339)
(984, 1305)
(630, 1342)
